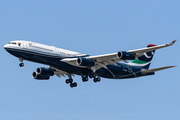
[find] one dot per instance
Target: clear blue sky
(93, 27)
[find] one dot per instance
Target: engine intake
(125, 55)
(44, 71)
(40, 77)
(85, 62)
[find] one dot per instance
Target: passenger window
(14, 43)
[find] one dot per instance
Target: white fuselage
(43, 49)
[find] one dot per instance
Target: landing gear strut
(84, 78)
(70, 80)
(95, 79)
(21, 64)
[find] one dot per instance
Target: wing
(103, 60)
(139, 52)
(60, 73)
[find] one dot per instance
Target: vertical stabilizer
(144, 61)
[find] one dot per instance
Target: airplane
(68, 63)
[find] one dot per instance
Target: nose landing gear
(21, 64)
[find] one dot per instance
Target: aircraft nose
(5, 47)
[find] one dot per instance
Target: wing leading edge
(139, 52)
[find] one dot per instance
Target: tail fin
(144, 61)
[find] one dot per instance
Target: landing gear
(73, 84)
(98, 79)
(95, 79)
(70, 80)
(21, 64)
(92, 75)
(85, 78)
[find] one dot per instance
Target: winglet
(171, 43)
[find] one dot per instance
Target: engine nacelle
(125, 55)
(44, 71)
(40, 77)
(85, 62)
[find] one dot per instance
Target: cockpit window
(12, 43)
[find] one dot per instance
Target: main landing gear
(70, 80)
(92, 75)
(97, 79)
(84, 79)
(21, 64)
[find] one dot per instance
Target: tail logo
(145, 54)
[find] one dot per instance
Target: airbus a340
(63, 62)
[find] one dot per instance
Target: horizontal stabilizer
(156, 69)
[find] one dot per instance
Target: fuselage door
(25, 45)
(55, 50)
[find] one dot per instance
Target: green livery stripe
(139, 61)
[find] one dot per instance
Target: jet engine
(40, 77)
(42, 73)
(125, 55)
(85, 62)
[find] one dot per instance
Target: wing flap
(60, 73)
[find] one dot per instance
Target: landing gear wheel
(92, 75)
(74, 84)
(71, 85)
(67, 81)
(70, 80)
(85, 79)
(95, 80)
(98, 79)
(21, 64)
